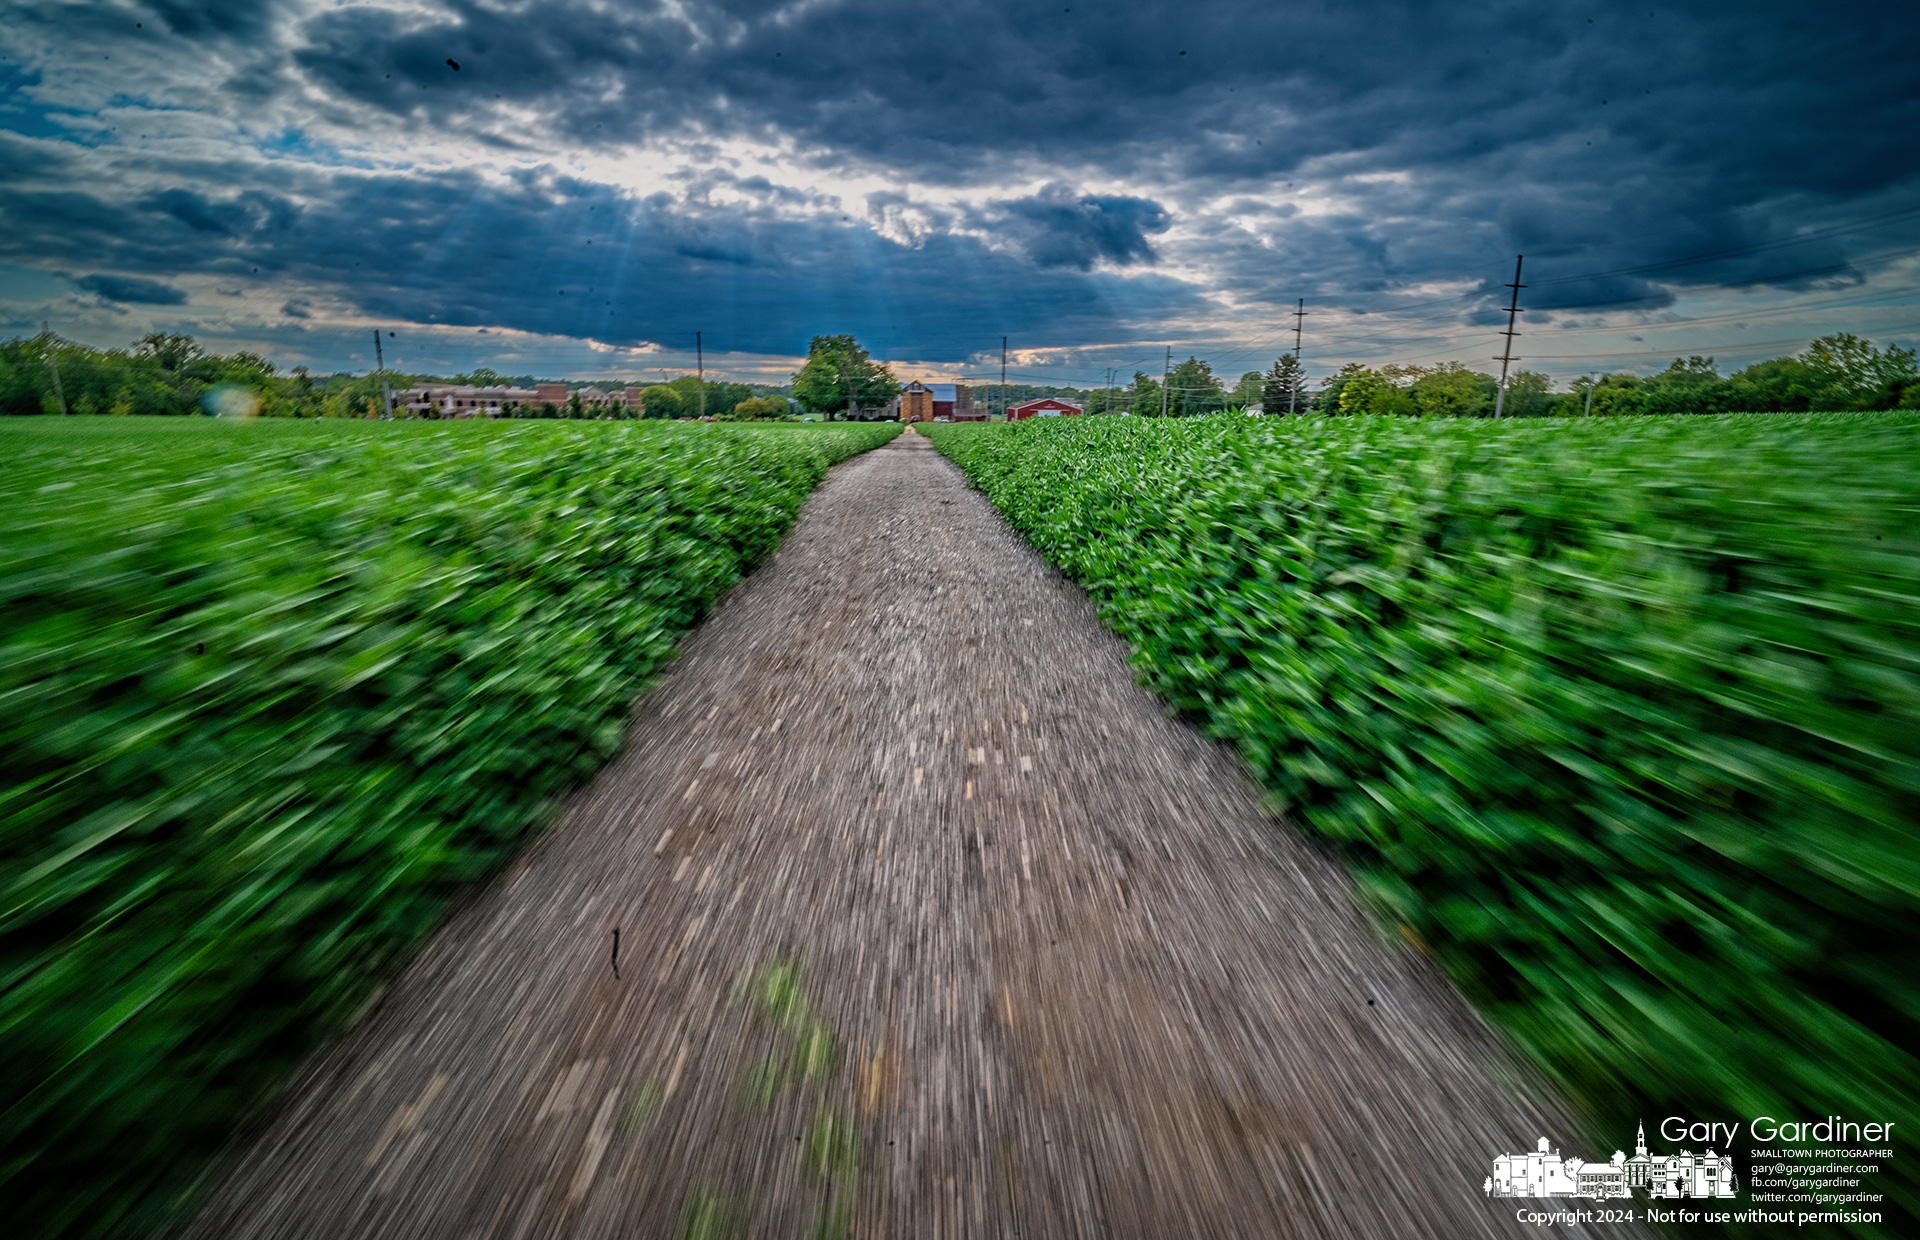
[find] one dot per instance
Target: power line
(1464, 331)
(1850, 301)
(1669, 264)
(1712, 348)
(1708, 256)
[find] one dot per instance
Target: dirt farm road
(931, 925)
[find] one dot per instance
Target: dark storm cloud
(1751, 92)
(132, 290)
(1058, 228)
(230, 18)
(1370, 148)
(250, 213)
(554, 255)
(1596, 138)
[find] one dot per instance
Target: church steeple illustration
(1546, 1173)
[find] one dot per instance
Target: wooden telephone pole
(380, 361)
(1506, 354)
(1299, 372)
(1003, 378)
(53, 364)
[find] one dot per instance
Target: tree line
(1837, 372)
(164, 374)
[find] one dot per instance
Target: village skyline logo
(1545, 1173)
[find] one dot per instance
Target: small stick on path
(616, 951)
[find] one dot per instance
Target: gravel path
(931, 924)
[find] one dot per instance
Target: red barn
(1047, 408)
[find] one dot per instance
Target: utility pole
(1003, 378)
(1506, 355)
(380, 360)
(1590, 386)
(53, 364)
(1299, 372)
(1166, 377)
(700, 362)
(1109, 408)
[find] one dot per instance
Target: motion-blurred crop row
(1619, 719)
(274, 691)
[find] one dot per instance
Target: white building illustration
(1544, 1173)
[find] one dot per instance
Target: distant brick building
(936, 402)
(452, 400)
(590, 396)
(914, 404)
(1047, 407)
(955, 401)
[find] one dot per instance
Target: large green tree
(1529, 395)
(1777, 385)
(1852, 374)
(1450, 390)
(1194, 389)
(170, 351)
(1618, 396)
(840, 373)
(720, 397)
(1360, 390)
(1143, 399)
(1334, 392)
(1690, 385)
(1283, 389)
(662, 401)
(1247, 391)
(1370, 391)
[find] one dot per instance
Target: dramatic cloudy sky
(598, 179)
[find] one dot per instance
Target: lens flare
(231, 400)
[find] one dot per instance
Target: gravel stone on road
(931, 924)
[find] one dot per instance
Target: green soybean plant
(272, 692)
(1620, 720)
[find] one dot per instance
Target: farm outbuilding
(453, 400)
(915, 403)
(1047, 407)
(937, 402)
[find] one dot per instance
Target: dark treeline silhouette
(171, 375)
(1834, 372)
(163, 374)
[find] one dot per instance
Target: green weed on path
(271, 693)
(1621, 719)
(830, 1153)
